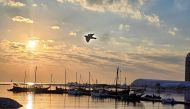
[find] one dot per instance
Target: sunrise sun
(32, 44)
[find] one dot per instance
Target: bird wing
(93, 38)
(90, 35)
(87, 39)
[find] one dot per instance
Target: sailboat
(54, 91)
(63, 90)
(78, 90)
(127, 94)
(33, 88)
(115, 94)
(100, 93)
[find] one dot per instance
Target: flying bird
(89, 36)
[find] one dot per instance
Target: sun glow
(32, 44)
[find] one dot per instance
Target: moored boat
(76, 91)
(131, 98)
(101, 93)
(151, 97)
(55, 91)
(168, 100)
(34, 88)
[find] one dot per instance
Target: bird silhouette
(89, 36)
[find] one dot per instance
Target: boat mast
(35, 74)
(80, 80)
(51, 80)
(65, 78)
(116, 85)
(76, 77)
(24, 77)
(125, 84)
(89, 81)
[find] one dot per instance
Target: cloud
(61, 1)
(55, 27)
(22, 19)
(173, 31)
(129, 8)
(11, 3)
(53, 52)
(72, 33)
(124, 27)
(34, 5)
(15, 4)
(154, 19)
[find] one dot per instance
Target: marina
(115, 91)
(85, 101)
(94, 54)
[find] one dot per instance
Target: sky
(145, 38)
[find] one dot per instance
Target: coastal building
(166, 83)
(161, 83)
(187, 68)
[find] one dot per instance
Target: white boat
(168, 100)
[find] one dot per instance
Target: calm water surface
(64, 101)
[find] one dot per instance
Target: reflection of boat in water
(131, 98)
(168, 100)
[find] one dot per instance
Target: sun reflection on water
(29, 101)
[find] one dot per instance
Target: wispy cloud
(124, 27)
(61, 1)
(55, 27)
(22, 19)
(53, 52)
(15, 4)
(34, 5)
(12, 3)
(72, 33)
(173, 31)
(154, 19)
(129, 8)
